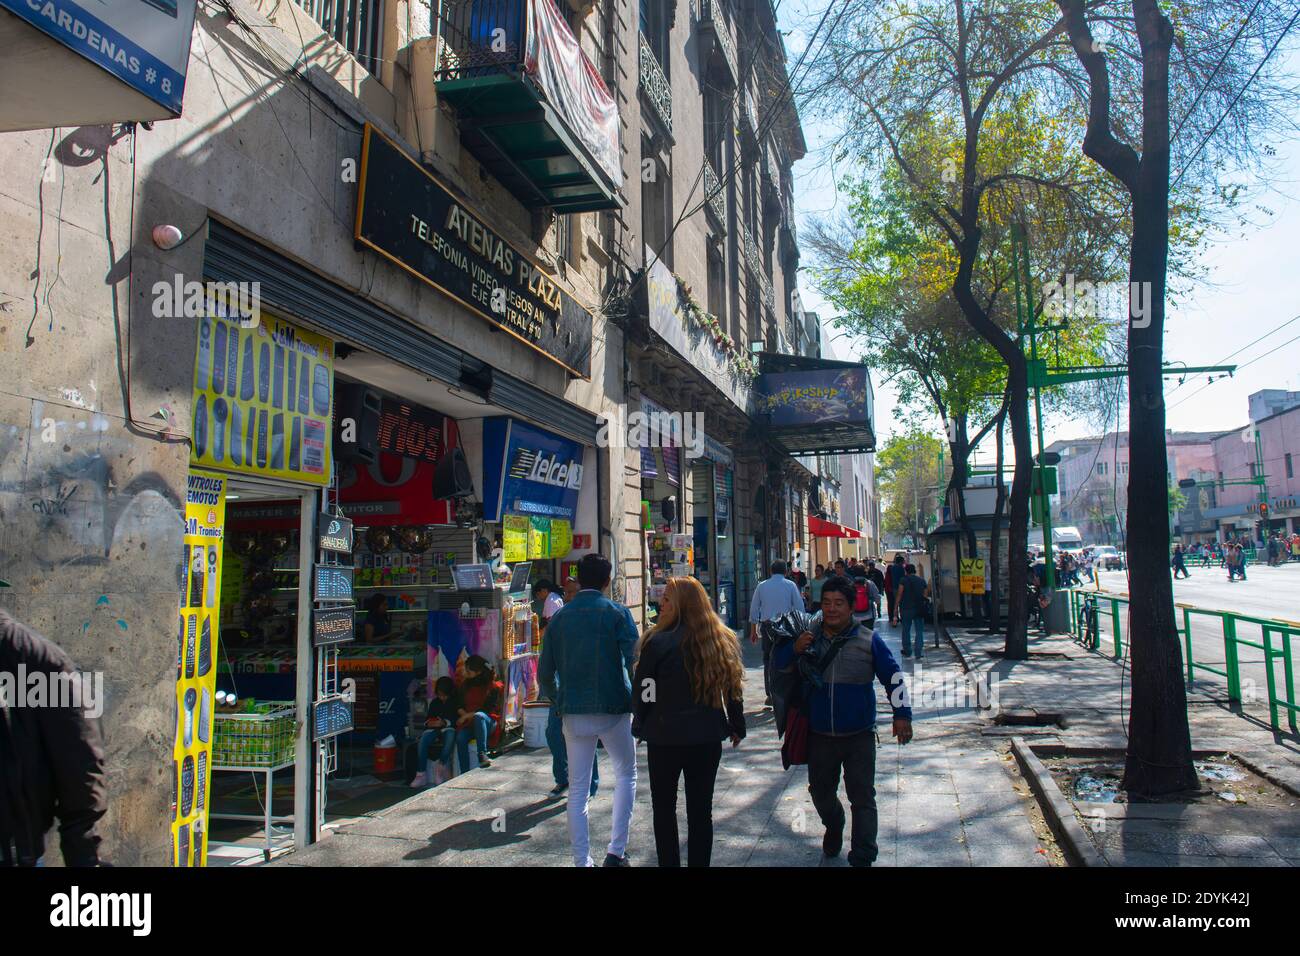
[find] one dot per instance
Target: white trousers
(581, 731)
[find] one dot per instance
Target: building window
(1101, 468)
(655, 28)
(717, 124)
(717, 286)
(1289, 472)
(564, 237)
(655, 216)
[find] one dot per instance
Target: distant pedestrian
(688, 689)
(839, 660)
(877, 577)
(51, 759)
(1179, 561)
(590, 647)
(774, 597)
(893, 578)
(814, 593)
(912, 595)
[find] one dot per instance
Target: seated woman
(478, 711)
(441, 723)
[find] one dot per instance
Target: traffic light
(1263, 510)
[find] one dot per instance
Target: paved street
(950, 798)
(1269, 593)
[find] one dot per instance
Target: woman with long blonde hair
(687, 690)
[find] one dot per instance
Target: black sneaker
(612, 860)
(558, 789)
(833, 842)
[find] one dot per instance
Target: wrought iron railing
(713, 18)
(480, 38)
(654, 84)
(715, 195)
(357, 25)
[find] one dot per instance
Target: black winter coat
(51, 761)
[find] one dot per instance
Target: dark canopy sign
(408, 217)
(816, 405)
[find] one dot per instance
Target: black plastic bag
(785, 685)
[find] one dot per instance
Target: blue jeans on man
(560, 753)
(910, 619)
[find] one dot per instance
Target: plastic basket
(261, 736)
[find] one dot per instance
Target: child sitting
(441, 723)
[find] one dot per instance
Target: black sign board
(331, 716)
(332, 626)
(334, 534)
(411, 219)
(333, 584)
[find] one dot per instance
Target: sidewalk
(1089, 694)
(950, 798)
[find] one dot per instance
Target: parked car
(1108, 558)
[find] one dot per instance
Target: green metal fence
(1088, 608)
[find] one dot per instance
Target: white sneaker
(420, 782)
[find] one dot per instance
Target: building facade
(413, 273)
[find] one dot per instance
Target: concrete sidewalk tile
(1006, 828)
(1286, 847)
(1006, 854)
(1238, 846)
(1157, 840)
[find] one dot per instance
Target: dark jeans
(699, 763)
(857, 755)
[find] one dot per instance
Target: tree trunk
(1160, 751)
(995, 534)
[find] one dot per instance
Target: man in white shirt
(774, 597)
(551, 599)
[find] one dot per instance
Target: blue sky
(1248, 289)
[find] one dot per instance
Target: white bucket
(536, 716)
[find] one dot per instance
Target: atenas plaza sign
(411, 219)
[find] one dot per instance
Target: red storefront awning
(829, 529)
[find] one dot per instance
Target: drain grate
(1028, 718)
(1035, 655)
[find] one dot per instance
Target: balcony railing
(714, 23)
(655, 85)
(715, 196)
(532, 107)
(357, 25)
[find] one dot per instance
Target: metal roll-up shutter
(288, 287)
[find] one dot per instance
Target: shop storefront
(357, 492)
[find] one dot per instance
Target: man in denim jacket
(590, 646)
(839, 661)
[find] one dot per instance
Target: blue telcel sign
(528, 471)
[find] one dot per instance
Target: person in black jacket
(688, 693)
(51, 757)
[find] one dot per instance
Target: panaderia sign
(411, 219)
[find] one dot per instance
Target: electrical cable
(1239, 368)
(1243, 348)
(1240, 93)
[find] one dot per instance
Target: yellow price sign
(971, 575)
(514, 538)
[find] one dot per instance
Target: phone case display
(244, 381)
(259, 589)
(196, 649)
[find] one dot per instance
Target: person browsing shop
(379, 623)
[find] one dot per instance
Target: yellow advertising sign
(561, 537)
(263, 398)
(971, 575)
(196, 665)
(539, 538)
(514, 538)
